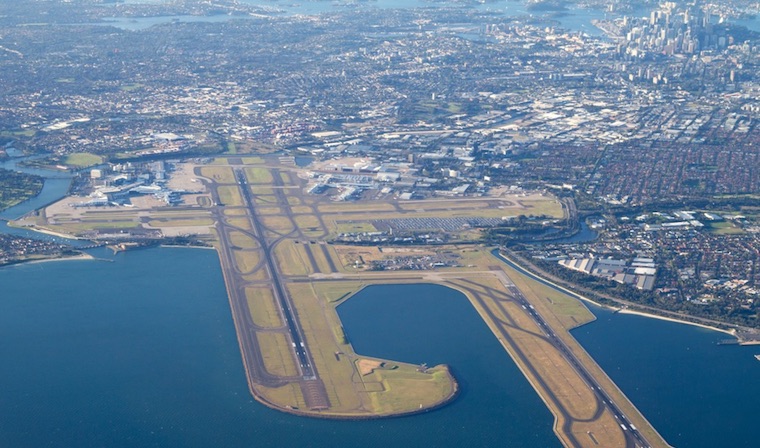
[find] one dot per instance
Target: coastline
(181, 246)
(550, 283)
(360, 417)
(46, 231)
(622, 309)
(676, 320)
(80, 257)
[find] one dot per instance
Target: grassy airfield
(351, 385)
(282, 235)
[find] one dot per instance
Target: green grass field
(219, 174)
(404, 389)
(262, 307)
(334, 292)
(230, 196)
(82, 160)
(259, 175)
(270, 210)
(354, 227)
(262, 190)
(279, 224)
(265, 200)
(246, 260)
(235, 212)
(307, 221)
(300, 209)
(725, 228)
(287, 395)
(275, 349)
(319, 256)
(243, 241)
(289, 259)
(240, 222)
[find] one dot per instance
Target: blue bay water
(142, 351)
(437, 325)
(695, 392)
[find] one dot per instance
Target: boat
(757, 357)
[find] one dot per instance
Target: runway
(312, 387)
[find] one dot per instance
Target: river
(55, 187)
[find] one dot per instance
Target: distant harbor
(571, 18)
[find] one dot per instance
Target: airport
(288, 262)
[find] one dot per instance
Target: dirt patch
(367, 366)
(146, 202)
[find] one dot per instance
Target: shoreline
(79, 257)
(676, 320)
(623, 309)
(46, 232)
(361, 417)
(182, 246)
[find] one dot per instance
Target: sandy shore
(680, 321)
(81, 256)
(47, 232)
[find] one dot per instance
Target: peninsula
(283, 243)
